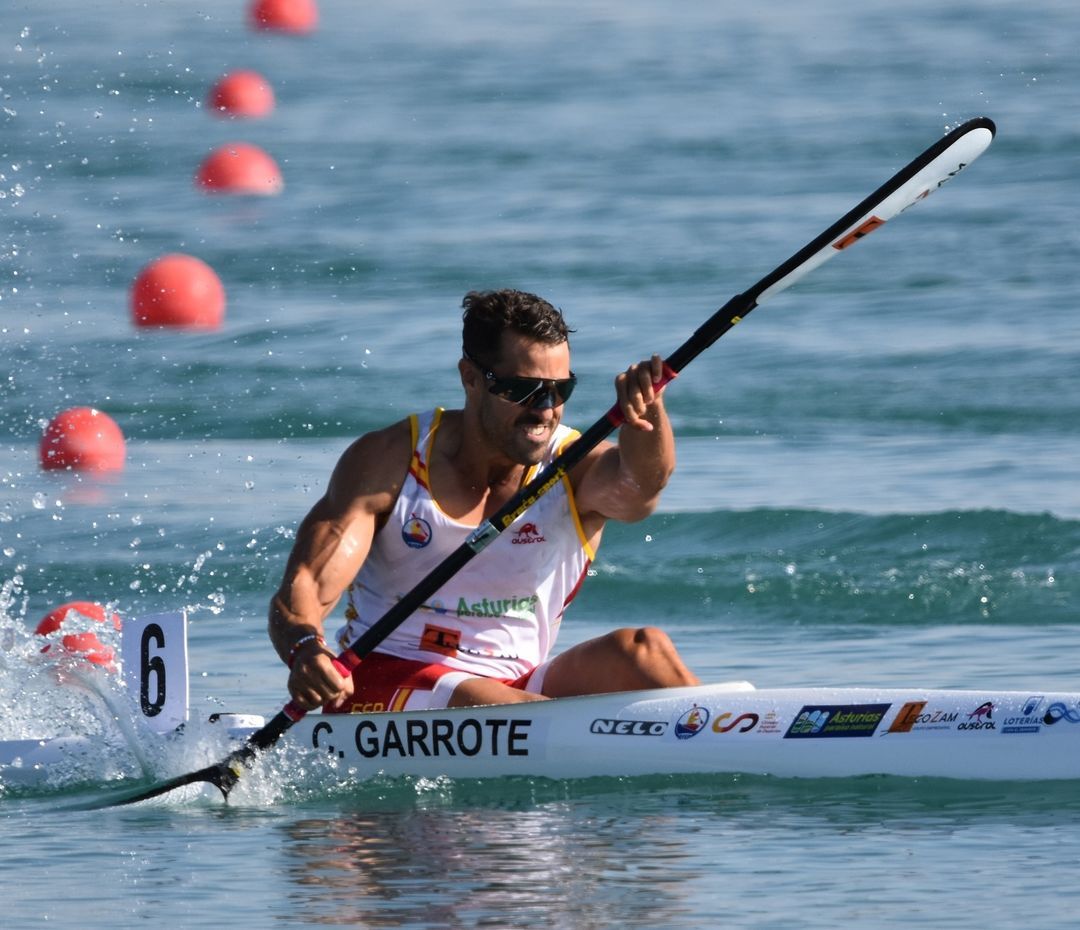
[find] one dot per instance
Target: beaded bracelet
(300, 643)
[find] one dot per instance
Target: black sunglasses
(528, 392)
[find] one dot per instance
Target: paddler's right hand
(314, 680)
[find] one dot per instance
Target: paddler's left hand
(636, 394)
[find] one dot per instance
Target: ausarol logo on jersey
(527, 535)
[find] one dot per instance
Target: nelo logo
(618, 727)
(528, 534)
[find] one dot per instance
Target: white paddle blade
(937, 172)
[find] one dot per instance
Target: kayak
(726, 728)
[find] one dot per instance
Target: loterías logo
(529, 533)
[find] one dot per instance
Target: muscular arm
(331, 544)
(623, 482)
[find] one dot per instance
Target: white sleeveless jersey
(500, 614)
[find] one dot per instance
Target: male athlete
(403, 498)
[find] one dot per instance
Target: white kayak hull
(713, 729)
(726, 728)
(721, 728)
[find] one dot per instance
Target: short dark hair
(488, 314)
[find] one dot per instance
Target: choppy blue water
(878, 469)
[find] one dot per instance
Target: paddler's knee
(642, 641)
(651, 650)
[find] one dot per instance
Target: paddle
(942, 161)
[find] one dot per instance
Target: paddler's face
(521, 432)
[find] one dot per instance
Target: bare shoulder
(370, 472)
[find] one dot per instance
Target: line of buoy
(179, 291)
(173, 291)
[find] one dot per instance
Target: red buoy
(239, 168)
(241, 94)
(294, 16)
(76, 616)
(178, 290)
(82, 439)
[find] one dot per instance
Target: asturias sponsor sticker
(820, 721)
